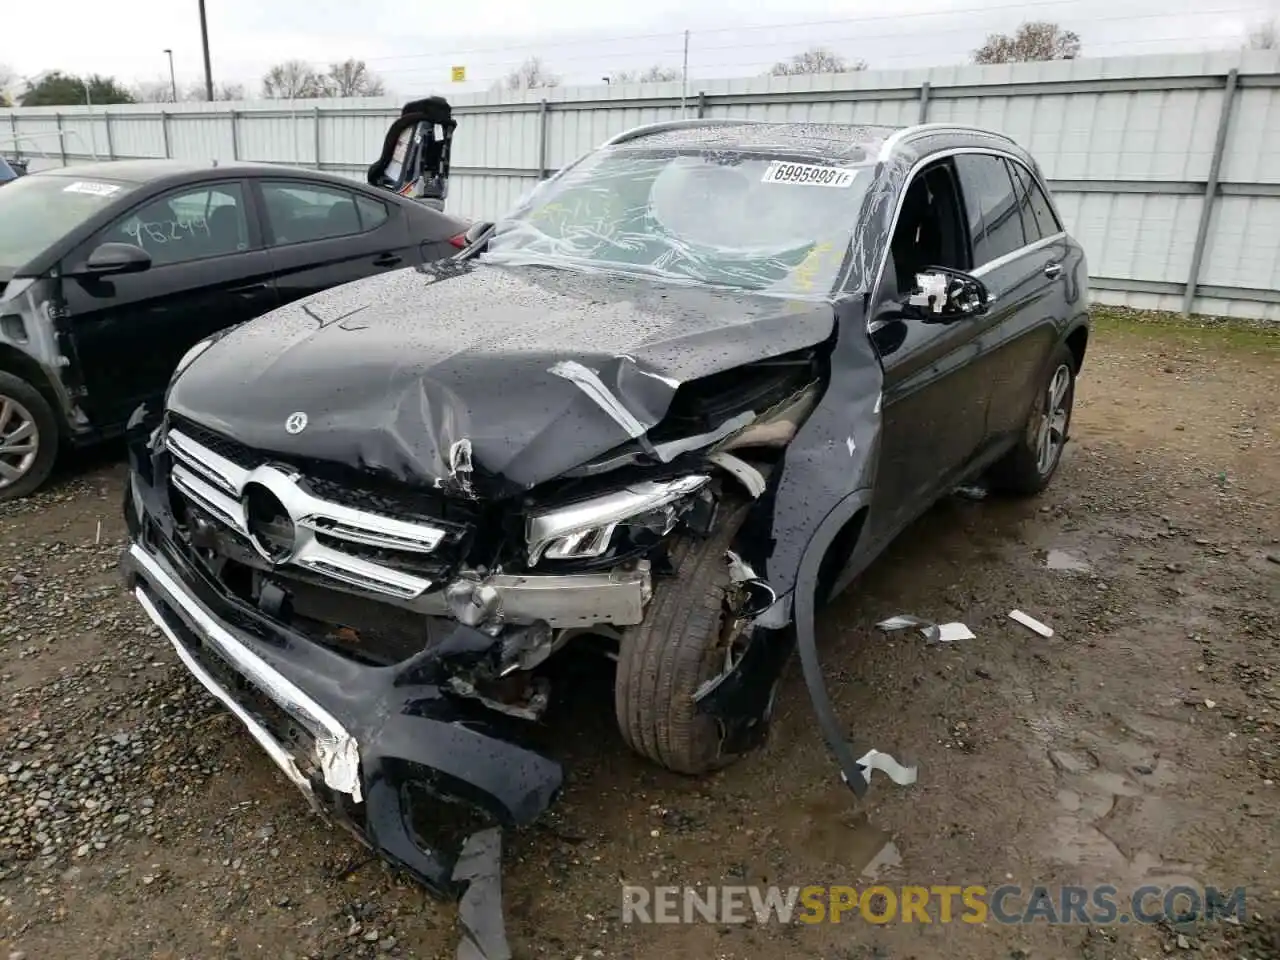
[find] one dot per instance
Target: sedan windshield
(36, 211)
(750, 221)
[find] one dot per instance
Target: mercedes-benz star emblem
(296, 423)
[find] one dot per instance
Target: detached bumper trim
(337, 752)
(273, 748)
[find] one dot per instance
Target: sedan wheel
(28, 437)
(19, 442)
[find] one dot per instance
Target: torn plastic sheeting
(719, 217)
(933, 632)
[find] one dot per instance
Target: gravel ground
(1140, 744)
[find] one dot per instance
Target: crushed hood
(523, 372)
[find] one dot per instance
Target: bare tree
(1265, 36)
(352, 78)
(292, 80)
(530, 75)
(153, 91)
(816, 60)
(655, 74)
(196, 93)
(1034, 40)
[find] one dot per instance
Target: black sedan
(110, 272)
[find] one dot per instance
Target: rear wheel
(28, 438)
(686, 639)
(1031, 464)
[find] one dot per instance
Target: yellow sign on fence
(459, 74)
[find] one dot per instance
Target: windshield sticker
(92, 187)
(808, 174)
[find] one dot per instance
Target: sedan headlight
(584, 529)
(190, 356)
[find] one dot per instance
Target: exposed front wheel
(1030, 465)
(28, 438)
(686, 639)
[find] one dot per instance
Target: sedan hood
(504, 376)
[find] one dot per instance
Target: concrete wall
(1167, 168)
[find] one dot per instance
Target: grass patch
(1254, 336)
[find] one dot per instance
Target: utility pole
(684, 75)
(204, 42)
(173, 79)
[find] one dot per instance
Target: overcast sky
(412, 45)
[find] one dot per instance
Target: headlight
(189, 357)
(582, 530)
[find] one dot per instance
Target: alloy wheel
(1051, 434)
(19, 441)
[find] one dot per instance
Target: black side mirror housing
(944, 295)
(112, 259)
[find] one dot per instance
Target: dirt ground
(1140, 744)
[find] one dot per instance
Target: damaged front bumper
(380, 749)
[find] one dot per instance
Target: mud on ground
(1140, 743)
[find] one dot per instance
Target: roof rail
(899, 137)
(662, 126)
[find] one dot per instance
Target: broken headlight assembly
(585, 529)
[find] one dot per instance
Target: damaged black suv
(685, 391)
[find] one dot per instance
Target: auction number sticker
(808, 174)
(92, 187)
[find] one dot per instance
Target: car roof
(143, 172)
(837, 142)
(833, 141)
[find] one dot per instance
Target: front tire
(1027, 468)
(28, 438)
(678, 647)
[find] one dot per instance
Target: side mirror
(115, 258)
(943, 295)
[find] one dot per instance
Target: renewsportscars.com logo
(975, 904)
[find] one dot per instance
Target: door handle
(1053, 271)
(386, 260)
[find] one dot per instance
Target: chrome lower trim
(270, 745)
(337, 752)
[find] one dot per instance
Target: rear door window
(1038, 219)
(298, 212)
(995, 222)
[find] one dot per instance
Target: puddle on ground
(850, 840)
(1068, 562)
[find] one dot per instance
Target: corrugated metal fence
(1166, 168)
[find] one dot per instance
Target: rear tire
(664, 660)
(1027, 469)
(28, 438)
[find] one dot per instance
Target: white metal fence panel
(1167, 168)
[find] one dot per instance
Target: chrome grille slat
(217, 470)
(207, 497)
(217, 486)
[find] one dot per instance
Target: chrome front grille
(319, 531)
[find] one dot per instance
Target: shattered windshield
(759, 222)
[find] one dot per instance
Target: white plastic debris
(903, 776)
(933, 632)
(1031, 623)
(949, 632)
